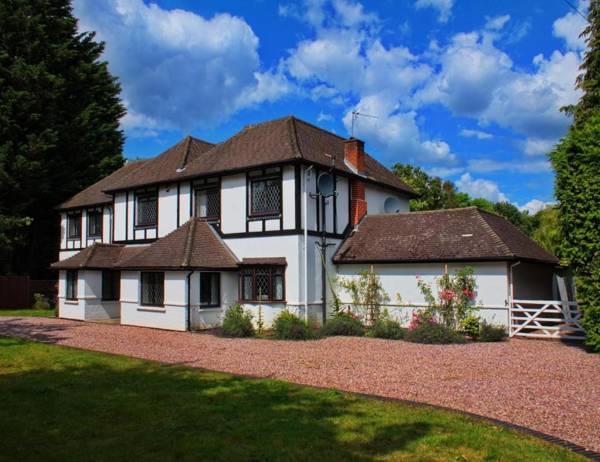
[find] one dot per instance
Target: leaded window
(262, 283)
(146, 209)
(210, 289)
(153, 288)
(74, 225)
(71, 282)
(208, 203)
(265, 196)
(94, 223)
(111, 285)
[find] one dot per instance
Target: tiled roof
(279, 261)
(193, 245)
(438, 235)
(275, 141)
(94, 195)
(98, 256)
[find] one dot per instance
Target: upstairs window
(146, 209)
(262, 283)
(74, 225)
(111, 285)
(208, 203)
(210, 289)
(71, 289)
(94, 223)
(265, 196)
(153, 288)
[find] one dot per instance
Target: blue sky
(467, 89)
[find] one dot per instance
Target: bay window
(262, 283)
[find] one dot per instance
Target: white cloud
(570, 26)
(178, 69)
(491, 165)
(445, 172)
(478, 187)
(443, 7)
(496, 22)
(537, 147)
(480, 135)
(534, 206)
(324, 117)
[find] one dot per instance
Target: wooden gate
(546, 319)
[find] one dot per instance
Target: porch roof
(98, 256)
(467, 234)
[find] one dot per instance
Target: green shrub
(343, 324)
(237, 322)
(288, 326)
(470, 326)
(433, 333)
(387, 328)
(40, 302)
(491, 333)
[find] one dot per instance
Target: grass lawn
(60, 403)
(29, 312)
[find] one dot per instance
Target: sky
(469, 90)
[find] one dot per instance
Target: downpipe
(189, 300)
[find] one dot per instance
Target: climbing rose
(447, 295)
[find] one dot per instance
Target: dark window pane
(71, 289)
(111, 285)
(247, 287)
(265, 197)
(208, 203)
(153, 286)
(147, 210)
(74, 226)
(94, 220)
(209, 289)
(263, 284)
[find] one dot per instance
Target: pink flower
(447, 295)
(468, 293)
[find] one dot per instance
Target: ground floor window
(111, 285)
(262, 283)
(210, 289)
(153, 288)
(71, 292)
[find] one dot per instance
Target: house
(268, 218)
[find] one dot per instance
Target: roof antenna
(355, 116)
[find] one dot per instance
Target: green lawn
(29, 312)
(60, 403)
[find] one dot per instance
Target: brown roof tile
(98, 256)
(280, 261)
(193, 245)
(438, 235)
(94, 195)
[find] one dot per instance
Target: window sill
(71, 301)
(263, 301)
(153, 309)
(144, 226)
(77, 238)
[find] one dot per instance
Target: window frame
(74, 217)
(249, 271)
(144, 196)
(216, 187)
(100, 214)
(210, 305)
(154, 302)
(114, 294)
(262, 177)
(71, 283)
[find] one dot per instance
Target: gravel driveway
(547, 386)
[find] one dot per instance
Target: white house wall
(233, 203)
(288, 194)
(120, 222)
(89, 305)
(167, 209)
(376, 196)
(203, 318)
(492, 286)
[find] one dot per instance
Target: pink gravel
(544, 385)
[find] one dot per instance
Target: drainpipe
(189, 300)
(511, 295)
(305, 193)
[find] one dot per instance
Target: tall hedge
(576, 161)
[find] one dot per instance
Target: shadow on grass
(46, 333)
(93, 407)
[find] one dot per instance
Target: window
(74, 225)
(94, 223)
(153, 288)
(208, 203)
(71, 293)
(262, 283)
(265, 196)
(147, 209)
(111, 285)
(210, 290)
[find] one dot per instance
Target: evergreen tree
(547, 230)
(589, 79)
(59, 125)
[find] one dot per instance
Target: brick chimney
(354, 156)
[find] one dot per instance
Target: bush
(343, 324)
(491, 333)
(288, 326)
(424, 329)
(387, 328)
(237, 322)
(40, 302)
(470, 326)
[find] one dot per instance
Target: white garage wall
(376, 197)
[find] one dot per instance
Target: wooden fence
(16, 292)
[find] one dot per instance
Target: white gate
(546, 319)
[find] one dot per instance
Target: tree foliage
(547, 230)
(59, 123)
(576, 161)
